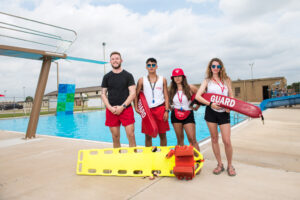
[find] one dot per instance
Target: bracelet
(210, 104)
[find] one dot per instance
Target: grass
(9, 115)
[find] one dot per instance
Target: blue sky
(177, 33)
(145, 6)
(202, 7)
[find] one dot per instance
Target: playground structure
(31, 39)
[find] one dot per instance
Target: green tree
(295, 86)
(29, 99)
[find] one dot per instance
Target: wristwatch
(124, 105)
(167, 110)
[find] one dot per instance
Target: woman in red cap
(218, 82)
(182, 115)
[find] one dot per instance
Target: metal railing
(29, 33)
(237, 117)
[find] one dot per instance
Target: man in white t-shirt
(156, 93)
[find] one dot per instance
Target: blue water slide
(280, 101)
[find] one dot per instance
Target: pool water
(90, 126)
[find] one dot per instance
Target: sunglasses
(151, 65)
(216, 66)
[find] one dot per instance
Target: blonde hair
(222, 73)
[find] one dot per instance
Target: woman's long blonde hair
(222, 73)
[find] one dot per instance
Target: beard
(117, 67)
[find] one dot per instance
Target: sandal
(219, 169)
(231, 171)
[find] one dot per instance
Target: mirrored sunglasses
(216, 66)
(151, 65)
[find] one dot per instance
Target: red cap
(177, 72)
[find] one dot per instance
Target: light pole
(57, 76)
(24, 93)
(251, 65)
(24, 99)
(103, 45)
(5, 94)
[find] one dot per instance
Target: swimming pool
(90, 126)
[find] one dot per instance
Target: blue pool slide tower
(65, 99)
(280, 101)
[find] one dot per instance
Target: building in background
(256, 90)
(89, 96)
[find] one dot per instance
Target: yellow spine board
(128, 161)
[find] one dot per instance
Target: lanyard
(222, 87)
(152, 88)
(180, 98)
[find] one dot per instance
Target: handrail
(28, 40)
(29, 31)
(13, 29)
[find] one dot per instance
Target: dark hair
(115, 52)
(185, 89)
(151, 60)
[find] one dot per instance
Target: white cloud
(256, 9)
(269, 37)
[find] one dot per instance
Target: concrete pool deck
(266, 158)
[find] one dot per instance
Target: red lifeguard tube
(234, 104)
(146, 115)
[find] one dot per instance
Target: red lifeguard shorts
(158, 115)
(126, 118)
